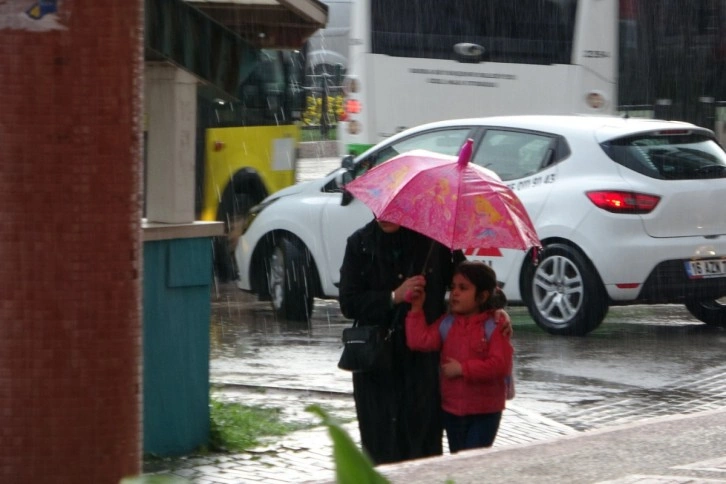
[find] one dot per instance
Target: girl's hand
(412, 290)
(451, 369)
(504, 321)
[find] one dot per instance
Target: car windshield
(669, 155)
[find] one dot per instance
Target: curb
(318, 149)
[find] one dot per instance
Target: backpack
(489, 326)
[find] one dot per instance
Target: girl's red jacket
(485, 364)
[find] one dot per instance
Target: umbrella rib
(459, 189)
(391, 195)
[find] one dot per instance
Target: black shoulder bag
(369, 347)
(366, 348)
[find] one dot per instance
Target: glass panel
(511, 154)
(669, 157)
(522, 31)
(271, 95)
(444, 141)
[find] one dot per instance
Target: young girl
(473, 368)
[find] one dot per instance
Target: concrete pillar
(70, 240)
(171, 112)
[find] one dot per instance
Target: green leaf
(351, 465)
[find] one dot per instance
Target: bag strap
(399, 316)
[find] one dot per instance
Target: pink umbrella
(457, 203)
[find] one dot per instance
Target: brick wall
(70, 253)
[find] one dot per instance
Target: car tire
(290, 280)
(710, 311)
(243, 192)
(563, 293)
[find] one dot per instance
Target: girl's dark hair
(484, 279)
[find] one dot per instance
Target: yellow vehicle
(247, 147)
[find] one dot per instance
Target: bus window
(532, 31)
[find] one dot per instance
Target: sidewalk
(307, 455)
(684, 449)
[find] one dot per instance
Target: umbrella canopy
(459, 204)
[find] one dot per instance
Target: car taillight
(617, 201)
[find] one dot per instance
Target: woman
(398, 408)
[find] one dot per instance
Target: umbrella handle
(428, 256)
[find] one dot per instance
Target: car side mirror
(347, 162)
(347, 198)
(348, 165)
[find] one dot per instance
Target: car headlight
(254, 212)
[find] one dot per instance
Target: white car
(629, 211)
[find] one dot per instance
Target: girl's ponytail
(497, 300)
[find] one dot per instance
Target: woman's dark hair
(484, 279)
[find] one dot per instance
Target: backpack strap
(445, 326)
(448, 320)
(489, 326)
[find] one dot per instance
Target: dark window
(687, 156)
(672, 56)
(521, 31)
(271, 94)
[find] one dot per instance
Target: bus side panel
(271, 151)
(409, 92)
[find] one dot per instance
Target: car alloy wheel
(276, 278)
(563, 293)
(558, 289)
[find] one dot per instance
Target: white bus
(414, 61)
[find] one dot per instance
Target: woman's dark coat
(398, 408)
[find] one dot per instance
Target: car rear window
(669, 155)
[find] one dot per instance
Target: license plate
(705, 268)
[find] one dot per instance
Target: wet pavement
(278, 364)
(289, 366)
